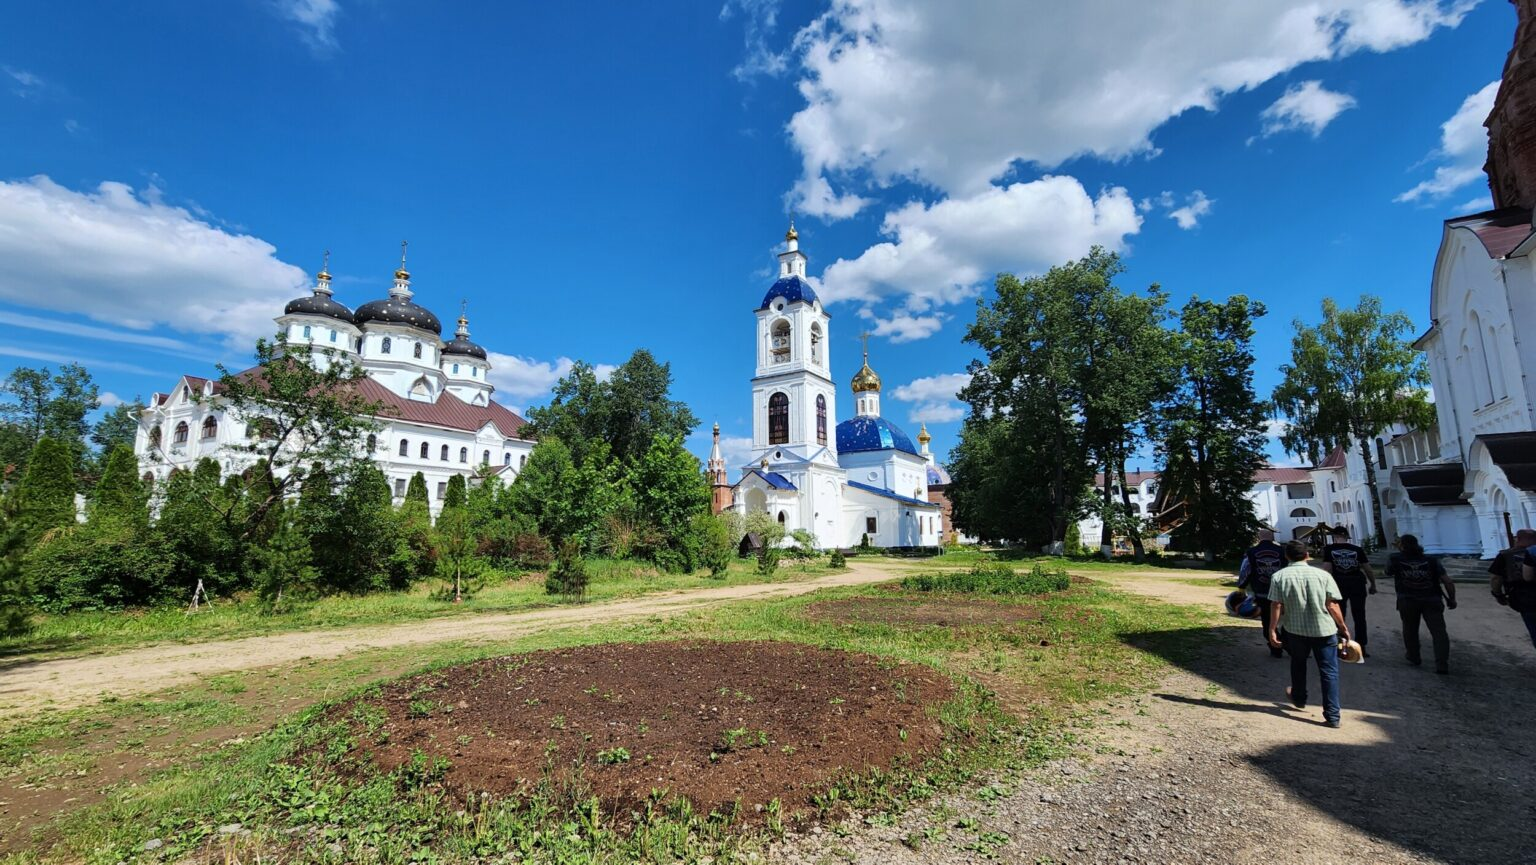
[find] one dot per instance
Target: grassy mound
(994, 578)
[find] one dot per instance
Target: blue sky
(595, 178)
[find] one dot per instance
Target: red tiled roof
(1277, 475)
(1499, 230)
(449, 411)
(1335, 460)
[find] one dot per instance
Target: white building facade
(439, 416)
(861, 478)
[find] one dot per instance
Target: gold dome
(922, 435)
(791, 234)
(865, 379)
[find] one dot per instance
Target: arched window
(1135, 509)
(1333, 486)
(522, 463)
(443, 454)
(306, 331)
(210, 427)
(463, 455)
(1302, 514)
(455, 369)
(333, 336)
(779, 341)
(485, 458)
(781, 518)
(154, 437)
(182, 431)
(359, 345)
(425, 454)
(373, 443)
(388, 343)
(506, 458)
(418, 349)
(821, 419)
(405, 447)
(1381, 454)
(778, 419)
(816, 345)
(474, 372)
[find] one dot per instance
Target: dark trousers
(1354, 601)
(1263, 606)
(1432, 611)
(1530, 623)
(1325, 652)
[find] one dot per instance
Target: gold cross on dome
(865, 337)
(402, 254)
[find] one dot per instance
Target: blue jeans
(1323, 650)
(1530, 624)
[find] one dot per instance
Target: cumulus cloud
(760, 19)
(316, 20)
(523, 377)
(118, 256)
(953, 96)
(1307, 106)
(944, 252)
(934, 397)
(109, 399)
(1189, 215)
(1463, 148)
(905, 327)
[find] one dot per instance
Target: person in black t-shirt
(1419, 580)
(1514, 579)
(1259, 565)
(1353, 573)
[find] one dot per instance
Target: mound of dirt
(955, 612)
(713, 722)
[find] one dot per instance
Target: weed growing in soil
(994, 578)
(613, 756)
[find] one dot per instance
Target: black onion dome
(394, 310)
(462, 346)
(318, 304)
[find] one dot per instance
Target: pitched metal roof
(1500, 231)
(1281, 475)
(884, 493)
(772, 479)
(449, 411)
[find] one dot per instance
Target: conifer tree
(47, 491)
(417, 490)
(15, 588)
(120, 494)
(284, 564)
(414, 554)
(455, 496)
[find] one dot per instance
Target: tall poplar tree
(47, 490)
(1212, 425)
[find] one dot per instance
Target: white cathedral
(439, 418)
(864, 477)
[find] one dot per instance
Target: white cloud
(953, 95)
(1463, 148)
(24, 84)
(1275, 427)
(905, 327)
(1308, 105)
(88, 363)
(91, 332)
(133, 261)
(109, 399)
(524, 377)
(1476, 205)
(944, 252)
(759, 20)
(934, 397)
(1189, 215)
(316, 20)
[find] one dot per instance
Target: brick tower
(719, 487)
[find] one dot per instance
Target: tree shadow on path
(1441, 765)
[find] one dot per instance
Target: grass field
(243, 616)
(214, 757)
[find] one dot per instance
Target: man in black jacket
(1353, 573)
(1260, 563)
(1509, 581)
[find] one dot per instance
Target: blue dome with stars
(791, 288)
(871, 434)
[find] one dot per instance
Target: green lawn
(75, 633)
(1085, 644)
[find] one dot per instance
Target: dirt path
(1212, 767)
(28, 685)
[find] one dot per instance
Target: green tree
(568, 576)
(716, 543)
(299, 410)
(197, 538)
(74, 396)
(416, 491)
(120, 494)
(456, 547)
(415, 555)
(562, 498)
(16, 591)
(47, 490)
(623, 413)
(667, 488)
(39, 403)
(1211, 429)
(1351, 376)
(455, 496)
(285, 563)
(363, 532)
(117, 427)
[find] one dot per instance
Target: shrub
(837, 560)
(805, 545)
(47, 489)
(994, 578)
(104, 568)
(768, 561)
(15, 588)
(713, 537)
(568, 577)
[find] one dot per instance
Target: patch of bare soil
(717, 723)
(958, 612)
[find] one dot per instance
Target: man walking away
(1306, 620)
(1418, 579)
(1353, 574)
(1260, 563)
(1514, 578)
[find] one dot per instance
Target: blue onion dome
(461, 344)
(791, 288)
(868, 433)
(319, 303)
(398, 308)
(937, 475)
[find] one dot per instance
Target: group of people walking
(1303, 605)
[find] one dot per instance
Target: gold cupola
(865, 380)
(922, 435)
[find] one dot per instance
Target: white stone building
(862, 478)
(439, 417)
